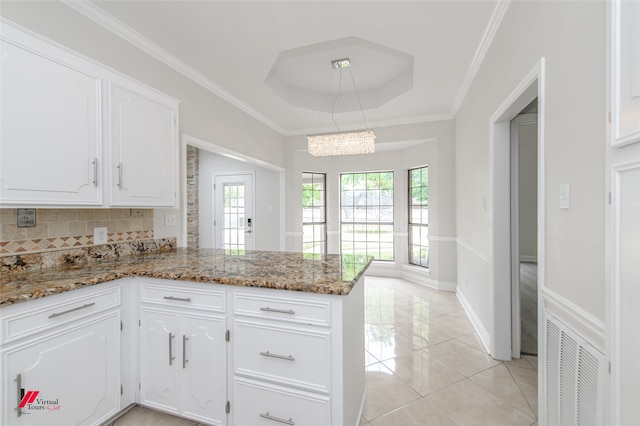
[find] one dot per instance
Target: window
(419, 216)
(314, 222)
(367, 214)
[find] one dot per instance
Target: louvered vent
(572, 377)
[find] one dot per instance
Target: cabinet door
(625, 72)
(50, 133)
(204, 368)
(159, 360)
(143, 147)
(68, 379)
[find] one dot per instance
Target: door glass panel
(234, 217)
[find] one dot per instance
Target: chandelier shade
(343, 143)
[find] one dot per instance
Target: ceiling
(411, 61)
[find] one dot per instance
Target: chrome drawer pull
(181, 299)
(57, 314)
(280, 311)
(278, 419)
(184, 351)
(171, 357)
(288, 358)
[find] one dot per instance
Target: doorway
(524, 232)
(233, 211)
(502, 332)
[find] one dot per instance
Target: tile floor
(425, 366)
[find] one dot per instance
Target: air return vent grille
(573, 377)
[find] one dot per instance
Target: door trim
(532, 86)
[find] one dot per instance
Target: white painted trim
(229, 153)
(483, 47)
(484, 335)
(532, 86)
(473, 251)
(443, 239)
(125, 32)
(589, 327)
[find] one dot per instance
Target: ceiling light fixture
(341, 143)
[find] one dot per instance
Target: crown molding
(120, 29)
(487, 38)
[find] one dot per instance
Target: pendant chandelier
(341, 143)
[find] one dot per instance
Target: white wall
(266, 211)
(571, 36)
(434, 147)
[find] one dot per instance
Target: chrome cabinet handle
(120, 175)
(269, 354)
(280, 311)
(278, 419)
(184, 351)
(95, 171)
(180, 299)
(57, 314)
(19, 386)
(171, 357)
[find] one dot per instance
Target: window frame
(412, 223)
(315, 223)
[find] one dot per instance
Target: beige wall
(571, 36)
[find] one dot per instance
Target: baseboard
(485, 337)
(414, 274)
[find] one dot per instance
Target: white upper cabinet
(50, 143)
(625, 72)
(142, 139)
(76, 133)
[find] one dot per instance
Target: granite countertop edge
(272, 270)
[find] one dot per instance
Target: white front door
(233, 206)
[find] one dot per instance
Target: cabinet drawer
(288, 356)
(57, 311)
(283, 309)
(180, 297)
(262, 405)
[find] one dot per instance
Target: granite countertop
(325, 274)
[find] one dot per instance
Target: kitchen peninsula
(253, 338)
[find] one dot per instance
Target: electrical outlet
(100, 235)
(170, 220)
(136, 213)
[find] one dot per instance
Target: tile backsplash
(66, 228)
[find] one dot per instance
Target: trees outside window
(367, 214)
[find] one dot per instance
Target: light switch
(565, 196)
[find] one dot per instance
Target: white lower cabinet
(183, 353)
(262, 404)
(275, 357)
(68, 375)
(298, 358)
